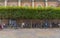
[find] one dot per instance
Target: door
(12, 23)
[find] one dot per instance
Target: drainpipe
(46, 3)
(6, 2)
(33, 3)
(19, 2)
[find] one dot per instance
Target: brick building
(30, 3)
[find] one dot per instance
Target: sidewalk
(30, 33)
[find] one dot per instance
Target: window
(12, 0)
(26, 0)
(12, 22)
(39, 0)
(2, 0)
(52, 0)
(59, 0)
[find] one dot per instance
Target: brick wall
(37, 4)
(32, 22)
(12, 4)
(26, 4)
(1, 3)
(29, 3)
(54, 4)
(4, 21)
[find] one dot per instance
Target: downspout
(6, 3)
(19, 3)
(33, 3)
(46, 3)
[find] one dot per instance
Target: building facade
(30, 3)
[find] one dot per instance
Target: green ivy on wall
(29, 13)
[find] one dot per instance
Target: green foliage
(29, 13)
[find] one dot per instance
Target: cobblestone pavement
(30, 33)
